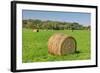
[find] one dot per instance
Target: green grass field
(34, 45)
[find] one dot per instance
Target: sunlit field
(34, 45)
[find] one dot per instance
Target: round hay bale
(35, 30)
(61, 44)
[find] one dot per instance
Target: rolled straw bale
(35, 30)
(61, 44)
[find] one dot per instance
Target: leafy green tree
(52, 25)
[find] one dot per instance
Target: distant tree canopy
(54, 25)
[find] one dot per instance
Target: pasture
(35, 48)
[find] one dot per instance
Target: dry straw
(35, 30)
(61, 44)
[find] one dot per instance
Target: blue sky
(82, 18)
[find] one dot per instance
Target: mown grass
(34, 45)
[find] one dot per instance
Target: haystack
(61, 44)
(35, 30)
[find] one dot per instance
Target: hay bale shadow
(77, 52)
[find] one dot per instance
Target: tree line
(54, 25)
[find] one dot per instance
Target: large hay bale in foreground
(61, 44)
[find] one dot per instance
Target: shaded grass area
(34, 45)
